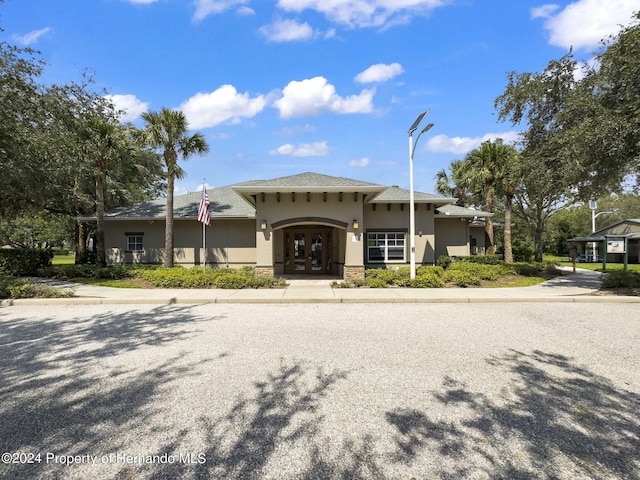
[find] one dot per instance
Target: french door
(308, 250)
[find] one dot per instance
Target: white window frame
(390, 240)
(135, 240)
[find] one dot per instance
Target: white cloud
(314, 96)
(583, 23)
(141, 2)
(205, 110)
(315, 149)
(364, 13)
(286, 31)
(31, 37)
(544, 11)
(130, 105)
(463, 145)
(204, 8)
(379, 73)
(296, 130)
(362, 162)
(246, 11)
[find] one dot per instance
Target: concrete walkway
(568, 288)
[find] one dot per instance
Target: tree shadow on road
(556, 420)
(55, 395)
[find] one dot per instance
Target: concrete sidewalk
(568, 288)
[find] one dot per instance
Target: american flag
(203, 209)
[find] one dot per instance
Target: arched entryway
(309, 250)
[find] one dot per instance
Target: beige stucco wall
(452, 236)
(230, 242)
(269, 242)
(395, 217)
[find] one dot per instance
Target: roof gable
(224, 202)
(308, 181)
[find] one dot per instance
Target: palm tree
(107, 145)
(167, 130)
(508, 186)
(483, 169)
(452, 184)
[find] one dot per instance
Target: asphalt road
(451, 391)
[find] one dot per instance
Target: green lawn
(64, 259)
(597, 266)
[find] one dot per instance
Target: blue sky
(280, 87)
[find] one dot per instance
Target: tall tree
(451, 184)
(482, 170)
(166, 130)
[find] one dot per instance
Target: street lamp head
(415, 125)
(428, 127)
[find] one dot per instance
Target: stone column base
(265, 271)
(353, 272)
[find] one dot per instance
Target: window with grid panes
(134, 243)
(385, 247)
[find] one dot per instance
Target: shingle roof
(456, 211)
(224, 202)
(308, 181)
(600, 235)
(400, 195)
(229, 201)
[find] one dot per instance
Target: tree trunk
(168, 229)
(488, 226)
(101, 257)
(81, 242)
(537, 240)
(508, 250)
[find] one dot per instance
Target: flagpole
(204, 231)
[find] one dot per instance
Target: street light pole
(412, 210)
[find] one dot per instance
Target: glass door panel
(317, 254)
(299, 253)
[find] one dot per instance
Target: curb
(199, 301)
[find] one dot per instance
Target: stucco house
(301, 224)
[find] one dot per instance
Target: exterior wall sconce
(263, 225)
(356, 225)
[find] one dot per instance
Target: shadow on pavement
(558, 420)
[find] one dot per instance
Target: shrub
(621, 279)
(427, 280)
(384, 275)
(33, 290)
(444, 261)
(22, 262)
(481, 259)
(526, 269)
(481, 271)
(374, 282)
(461, 278)
(66, 272)
(232, 281)
(522, 252)
(430, 269)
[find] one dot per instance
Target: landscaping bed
(462, 273)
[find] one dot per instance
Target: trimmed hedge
(481, 271)
(483, 259)
(179, 277)
(461, 278)
(621, 279)
(427, 280)
(21, 262)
